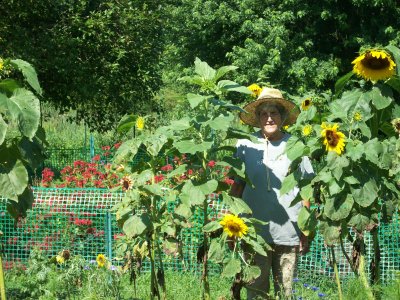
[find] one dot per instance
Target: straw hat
(272, 96)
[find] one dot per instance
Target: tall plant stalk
(377, 257)
(361, 270)
(335, 268)
(2, 281)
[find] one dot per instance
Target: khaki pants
(283, 261)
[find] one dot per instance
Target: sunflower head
(233, 226)
(306, 104)
(140, 123)
(126, 183)
(334, 140)
(101, 260)
(374, 65)
(286, 127)
(255, 89)
(1, 63)
(396, 125)
(307, 130)
(60, 260)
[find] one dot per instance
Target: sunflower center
(234, 227)
(307, 102)
(332, 138)
(375, 63)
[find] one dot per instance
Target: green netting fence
(80, 220)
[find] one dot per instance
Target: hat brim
(249, 117)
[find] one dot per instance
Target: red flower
(159, 178)
(117, 145)
(211, 164)
(96, 157)
(105, 148)
(167, 168)
(229, 181)
(190, 172)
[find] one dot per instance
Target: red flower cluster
(47, 177)
(82, 175)
(83, 222)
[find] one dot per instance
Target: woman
(266, 167)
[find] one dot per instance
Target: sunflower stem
(335, 268)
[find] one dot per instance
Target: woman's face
(270, 121)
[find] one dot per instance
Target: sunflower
(374, 65)
(286, 127)
(306, 104)
(126, 183)
(101, 260)
(333, 140)
(140, 123)
(60, 260)
(234, 226)
(396, 125)
(255, 89)
(357, 116)
(1, 63)
(307, 130)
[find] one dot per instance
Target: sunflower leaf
(341, 82)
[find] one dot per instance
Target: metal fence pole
(108, 235)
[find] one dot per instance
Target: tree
(100, 58)
(299, 46)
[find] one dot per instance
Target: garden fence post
(91, 147)
(108, 235)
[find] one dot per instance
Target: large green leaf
(341, 82)
(257, 247)
(204, 70)
(395, 51)
(232, 86)
(137, 225)
(212, 226)
(360, 221)
(154, 189)
(195, 99)
(13, 183)
(341, 107)
(191, 194)
(223, 70)
(126, 123)
(381, 97)
(296, 150)
(208, 187)
(367, 194)
(189, 146)
(31, 151)
(221, 122)
(216, 252)
(250, 273)
(339, 207)
(236, 205)
(3, 129)
(288, 184)
(24, 107)
(307, 220)
(331, 233)
(394, 82)
(18, 208)
(183, 210)
(181, 124)
(307, 191)
(154, 143)
(231, 268)
(29, 73)
(127, 151)
(8, 85)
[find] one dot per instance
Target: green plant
(354, 180)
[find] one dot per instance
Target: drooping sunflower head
(255, 89)
(233, 226)
(396, 125)
(307, 130)
(374, 65)
(140, 123)
(334, 140)
(126, 183)
(101, 260)
(306, 104)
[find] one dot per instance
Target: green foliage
(21, 138)
(100, 58)
(298, 46)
